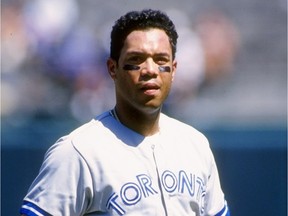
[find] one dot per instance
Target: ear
(111, 66)
(174, 67)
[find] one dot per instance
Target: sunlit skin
(141, 93)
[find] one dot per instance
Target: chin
(152, 107)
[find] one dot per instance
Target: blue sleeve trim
(31, 209)
(224, 211)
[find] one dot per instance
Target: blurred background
(231, 84)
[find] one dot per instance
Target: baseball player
(133, 159)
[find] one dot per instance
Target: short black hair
(141, 20)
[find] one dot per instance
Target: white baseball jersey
(105, 168)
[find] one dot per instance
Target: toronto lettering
(142, 187)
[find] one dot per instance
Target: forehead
(151, 40)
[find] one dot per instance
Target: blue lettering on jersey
(132, 192)
(146, 185)
(112, 203)
(187, 182)
(169, 181)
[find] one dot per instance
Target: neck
(145, 123)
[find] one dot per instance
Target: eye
(135, 59)
(161, 60)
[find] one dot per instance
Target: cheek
(126, 80)
(167, 83)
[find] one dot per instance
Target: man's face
(142, 84)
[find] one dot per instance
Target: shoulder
(92, 130)
(186, 137)
(84, 133)
(179, 128)
(98, 123)
(96, 135)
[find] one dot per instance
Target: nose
(150, 68)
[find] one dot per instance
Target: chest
(143, 176)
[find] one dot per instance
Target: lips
(150, 88)
(147, 86)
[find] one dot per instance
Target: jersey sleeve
(215, 203)
(63, 185)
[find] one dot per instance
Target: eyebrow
(143, 53)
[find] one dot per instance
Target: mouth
(150, 88)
